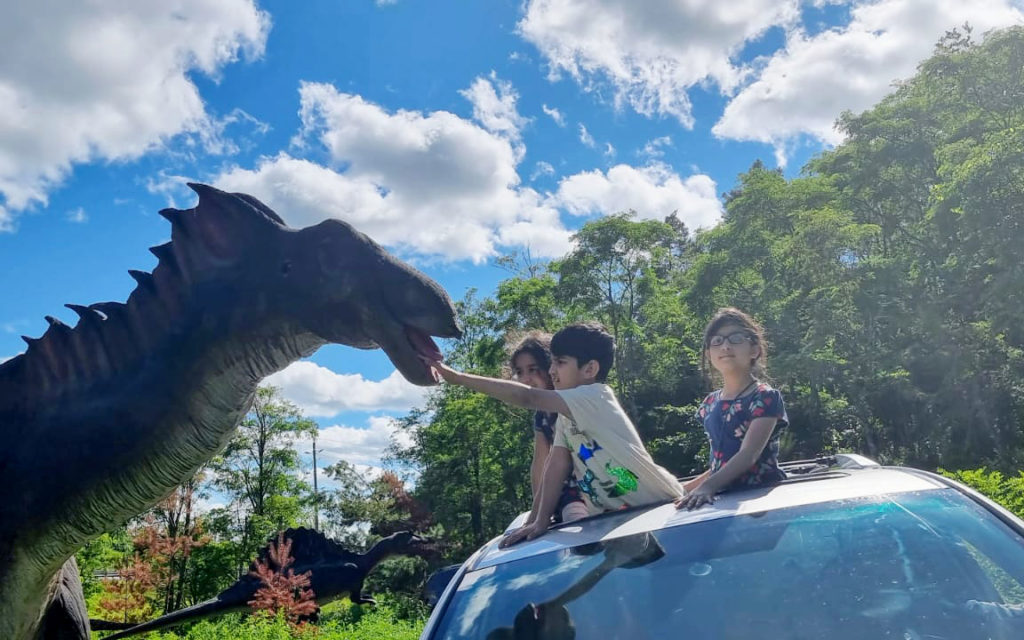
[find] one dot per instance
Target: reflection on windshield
(551, 619)
(928, 565)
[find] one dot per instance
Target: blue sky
(450, 131)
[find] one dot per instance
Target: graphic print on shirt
(627, 480)
(586, 453)
(586, 485)
(618, 480)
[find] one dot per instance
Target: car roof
(860, 479)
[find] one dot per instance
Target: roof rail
(854, 461)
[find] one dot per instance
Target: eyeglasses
(736, 337)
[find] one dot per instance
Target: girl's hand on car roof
(528, 532)
(698, 497)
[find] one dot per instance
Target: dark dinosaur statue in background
(101, 421)
(334, 572)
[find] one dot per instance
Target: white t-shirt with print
(611, 464)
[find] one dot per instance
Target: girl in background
(530, 362)
(745, 418)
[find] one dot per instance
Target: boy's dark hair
(586, 341)
(731, 315)
(534, 343)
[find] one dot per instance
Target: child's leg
(574, 511)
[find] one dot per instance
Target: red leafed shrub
(282, 591)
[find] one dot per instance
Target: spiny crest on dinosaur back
(309, 547)
(110, 336)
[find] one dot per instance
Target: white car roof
(842, 484)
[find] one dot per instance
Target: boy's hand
(441, 370)
(700, 496)
(446, 372)
(528, 532)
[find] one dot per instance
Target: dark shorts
(570, 493)
(545, 423)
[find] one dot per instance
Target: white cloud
(77, 215)
(609, 150)
(104, 80)
(554, 114)
(653, 191)
(452, 181)
(318, 391)
(542, 169)
(495, 108)
(655, 148)
(804, 87)
(651, 52)
(358, 445)
(586, 138)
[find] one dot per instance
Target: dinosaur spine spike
(108, 308)
(31, 342)
(116, 333)
(85, 313)
(56, 324)
(87, 340)
(144, 278)
(176, 217)
(165, 254)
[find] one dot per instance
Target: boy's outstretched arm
(507, 391)
(557, 469)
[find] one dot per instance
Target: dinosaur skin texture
(334, 572)
(103, 420)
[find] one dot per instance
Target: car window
(926, 565)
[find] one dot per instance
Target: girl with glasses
(745, 418)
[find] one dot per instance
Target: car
(843, 549)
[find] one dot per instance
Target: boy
(593, 435)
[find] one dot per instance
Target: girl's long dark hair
(534, 343)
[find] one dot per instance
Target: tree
(473, 452)
(257, 469)
(607, 276)
(281, 590)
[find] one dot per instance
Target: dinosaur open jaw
(422, 343)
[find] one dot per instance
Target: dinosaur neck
(380, 551)
(179, 401)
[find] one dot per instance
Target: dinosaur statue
(334, 572)
(101, 421)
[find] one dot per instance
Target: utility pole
(316, 492)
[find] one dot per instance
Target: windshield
(924, 565)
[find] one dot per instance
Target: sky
(452, 132)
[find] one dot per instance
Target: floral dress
(726, 423)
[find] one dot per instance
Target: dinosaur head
(364, 297)
(409, 543)
(332, 281)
